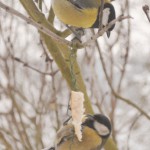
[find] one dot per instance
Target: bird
(95, 131)
(84, 13)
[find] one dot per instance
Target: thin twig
(35, 24)
(103, 30)
(131, 127)
(126, 55)
(128, 101)
(101, 14)
(55, 36)
(27, 65)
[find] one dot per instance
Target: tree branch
(128, 101)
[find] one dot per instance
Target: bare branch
(103, 30)
(28, 66)
(128, 101)
(55, 36)
(35, 24)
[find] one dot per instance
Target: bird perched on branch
(95, 131)
(84, 13)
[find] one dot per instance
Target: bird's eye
(101, 129)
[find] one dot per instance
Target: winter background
(33, 104)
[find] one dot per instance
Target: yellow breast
(71, 15)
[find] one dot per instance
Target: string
(72, 60)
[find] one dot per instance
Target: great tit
(84, 13)
(95, 131)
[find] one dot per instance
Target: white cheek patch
(106, 13)
(101, 129)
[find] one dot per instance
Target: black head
(100, 123)
(109, 14)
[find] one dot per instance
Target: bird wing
(65, 133)
(83, 4)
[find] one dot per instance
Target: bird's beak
(87, 116)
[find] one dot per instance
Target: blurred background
(34, 96)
